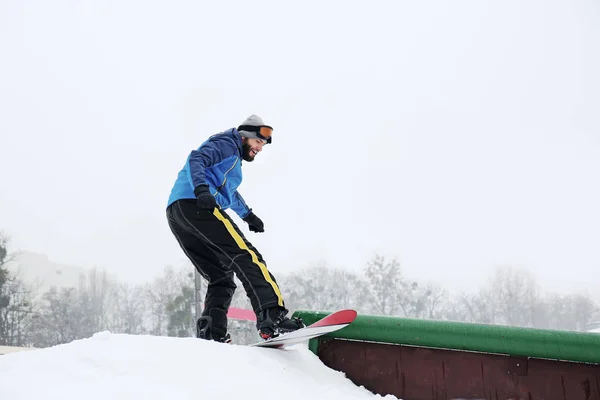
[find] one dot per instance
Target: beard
(246, 152)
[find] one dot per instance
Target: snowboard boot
(213, 326)
(272, 322)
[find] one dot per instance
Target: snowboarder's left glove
(254, 223)
(204, 199)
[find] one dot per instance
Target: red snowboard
(333, 322)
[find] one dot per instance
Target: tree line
(166, 305)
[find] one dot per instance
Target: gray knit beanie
(250, 128)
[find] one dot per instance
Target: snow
(119, 366)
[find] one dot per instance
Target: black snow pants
(218, 249)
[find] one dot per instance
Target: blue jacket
(217, 163)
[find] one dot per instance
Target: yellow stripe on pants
(242, 245)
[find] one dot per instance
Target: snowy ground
(115, 366)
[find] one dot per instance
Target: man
(206, 186)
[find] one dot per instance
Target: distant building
(38, 270)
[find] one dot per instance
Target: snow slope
(118, 366)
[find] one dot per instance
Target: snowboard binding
(204, 330)
(273, 323)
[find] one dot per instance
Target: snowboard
(331, 323)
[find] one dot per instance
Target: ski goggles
(263, 131)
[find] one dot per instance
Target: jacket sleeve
(209, 153)
(239, 206)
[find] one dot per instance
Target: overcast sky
(456, 136)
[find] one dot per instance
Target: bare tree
(428, 302)
(389, 292)
(510, 297)
(480, 308)
(5, 255)
(15, 316)
(516, 295)
(16, 301)
(324, 288)
(93, 293)
(455, 308)
(180, 311)
(61, 318)
(161, 292)
(127, 309)
(572, 311)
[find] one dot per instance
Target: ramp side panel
(415, 373)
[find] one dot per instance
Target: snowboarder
(205, 187)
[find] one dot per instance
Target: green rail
(527, 342)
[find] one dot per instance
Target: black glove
(204, 200)
(254, 223)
